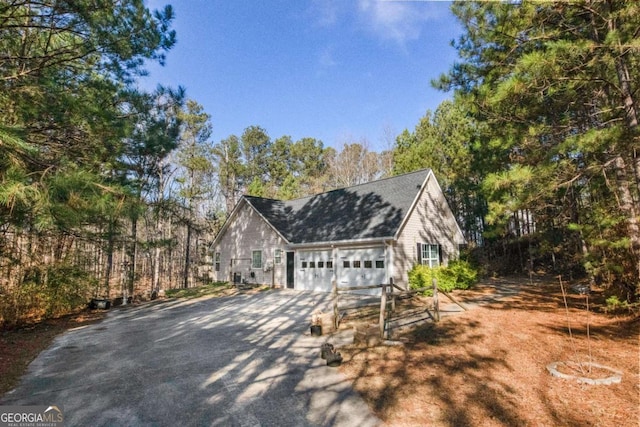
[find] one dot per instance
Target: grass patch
(214, 288)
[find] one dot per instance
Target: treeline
(282, 169)
(539, 151)
(82, 150)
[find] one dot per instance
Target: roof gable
(373, 210)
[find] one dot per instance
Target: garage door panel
(362, 267)
(315, 270)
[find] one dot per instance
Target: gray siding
(432, 222)
(245, 233)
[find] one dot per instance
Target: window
(312, 264)
(320, 264)
(368, 264)
(217, 261)
(346, 264)
(356, 264)
(329, 264)
(379, 264)
(430, 255)
(277, 256)
(256, 259)
(304, 264)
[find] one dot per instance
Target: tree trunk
(187, 254)
(624, 187)
(155, 280)
(157, 258)
(110, 248)
(636, 167)
(133, 249)
(627, 206)
(170, 258)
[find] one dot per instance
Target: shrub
(463, 273)
(47, 291)
(67, 288)
(457, 275)
(616, 305)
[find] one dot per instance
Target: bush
(46, 292)
(67, 289)
(464, 275)
(616, 305)
(457, 275)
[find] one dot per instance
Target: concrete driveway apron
(246, 360)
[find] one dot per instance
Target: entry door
(291, 272)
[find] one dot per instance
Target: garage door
(314, 270)
(361, 267)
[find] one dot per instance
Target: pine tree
(556, 84)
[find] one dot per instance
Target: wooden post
(454, 300)
(393, 296)
(436, 305)
(334, 291)
(383, 309)
(390, 308)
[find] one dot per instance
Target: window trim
(426, 255)
(253, 253)
(277, 256)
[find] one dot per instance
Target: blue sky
(337, 70)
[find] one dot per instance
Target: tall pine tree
(556, 83)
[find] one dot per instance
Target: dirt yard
(487, 366)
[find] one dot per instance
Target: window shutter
(419, 253)
(440, 254)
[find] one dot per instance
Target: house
(360, 235)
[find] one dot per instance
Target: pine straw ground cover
(487, 366)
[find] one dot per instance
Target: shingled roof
(367, 211)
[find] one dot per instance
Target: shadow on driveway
(246, 360)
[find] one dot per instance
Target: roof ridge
(359, 185)
(263, 198)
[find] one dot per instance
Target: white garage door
(314, 270)
(361, 267)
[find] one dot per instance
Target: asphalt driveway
(246, 360)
